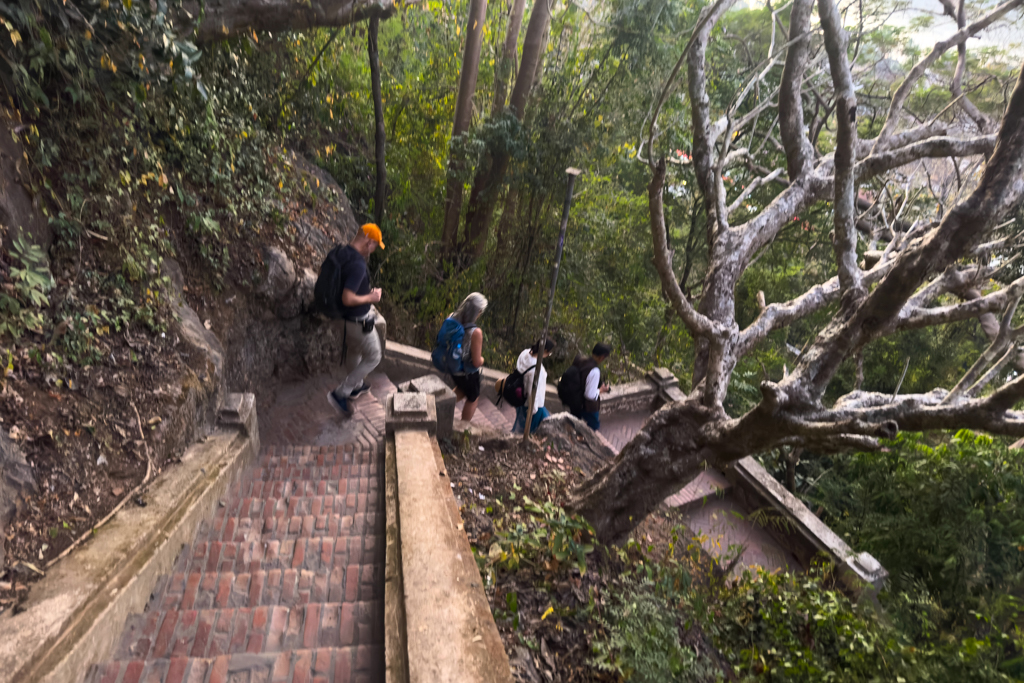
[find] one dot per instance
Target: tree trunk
(669, 451)
(504, 68)
(225, 18)
(463, 117)
(378, 116)
(484, 196)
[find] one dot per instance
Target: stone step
(497, 419)
(707, 485)
(216, 632)
(328, 458)
(220, 590)
(312, 554)
(353, 663)
(281, 527)
(250, 488)
(333, 473)
(290, 501)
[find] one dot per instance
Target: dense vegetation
(136, 138)
(663, 611)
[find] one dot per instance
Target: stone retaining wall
(74, 615)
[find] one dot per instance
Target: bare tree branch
(1001, 185)
(999, 344)
(845, 216)
(753, 185)
(915, 74)
(799, 153)
(697, 324)
(956, 88)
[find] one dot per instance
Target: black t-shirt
(357, 280)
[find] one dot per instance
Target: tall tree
(489, 177)
(913, 284)
(463, 117)
(378, 118)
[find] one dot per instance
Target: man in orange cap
(362, 345)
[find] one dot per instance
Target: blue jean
(593, 420)
(520, 424)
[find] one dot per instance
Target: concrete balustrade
(438, 623)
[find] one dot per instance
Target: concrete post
(410, 411)
(444, 400)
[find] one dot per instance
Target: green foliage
(784, 627)
(547, 538)
(946, 520)
(641, 638)
(22, 298)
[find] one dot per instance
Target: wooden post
(570, 174)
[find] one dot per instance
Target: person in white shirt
(527, 364)
(590, 372)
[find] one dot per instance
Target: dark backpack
(331, 282)
(570, 389)
(572, 384)
(447, 355)
(513, 388)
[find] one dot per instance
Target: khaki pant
(362, 352)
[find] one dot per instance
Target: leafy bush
(641, 640)
(785, 627)
(947, 519)
(22, 298)
(550, 537)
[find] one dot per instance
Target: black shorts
(469, 385)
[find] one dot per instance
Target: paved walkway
(285, 582)
(722, 525)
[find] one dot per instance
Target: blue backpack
(448, 350)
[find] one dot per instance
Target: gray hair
(471, 308)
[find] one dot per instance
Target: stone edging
(402, 363)
(75, 614)
(807, 535)
(438, 622)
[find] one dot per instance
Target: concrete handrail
(438, 622)
(402, 363)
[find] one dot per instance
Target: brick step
(250, 488)
(332, 473)
(292, 503)
(497, 419)
(220, 590)
(315, 459)
(325, 665)
(352, 453)
(216, 632)
(364, 547)
(281, 527)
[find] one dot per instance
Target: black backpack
(513, 388)
(570, 389)
(331, 282)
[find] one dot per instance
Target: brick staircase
(285, 581)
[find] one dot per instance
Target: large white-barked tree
(907, 274)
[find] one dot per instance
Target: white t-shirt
(592, 388)
(527, 360)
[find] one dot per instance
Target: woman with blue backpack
(529, 360)
(459, 350)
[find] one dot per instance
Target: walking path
(285, 583)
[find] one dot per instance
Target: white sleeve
(591, 391)
(541, 388)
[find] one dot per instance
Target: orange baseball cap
(373, 232)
